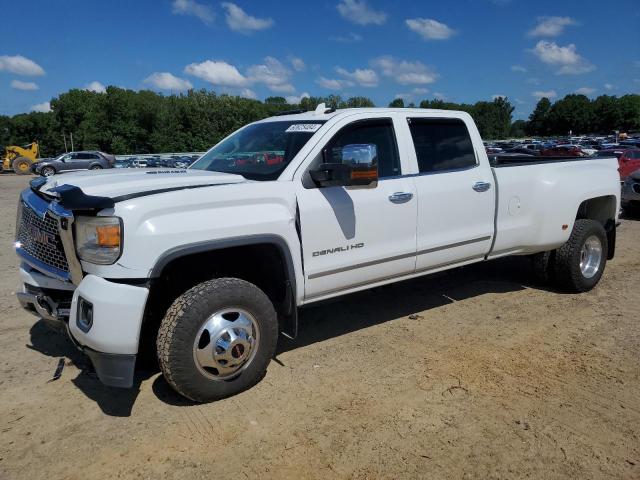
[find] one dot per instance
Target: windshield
(260, 151)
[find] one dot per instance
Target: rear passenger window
(441, 144)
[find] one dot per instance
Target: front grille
(39, 238)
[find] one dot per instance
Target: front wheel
(579, 263)
(95, 167)
(48, 171)
(217, 339)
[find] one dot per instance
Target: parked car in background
(628, 159)
(125, 163)
(631, 193)
(522, 151)
(139, 163)
(563, 151)
(87, 160)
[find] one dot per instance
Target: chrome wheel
(48, 172)
(226, 343)
(591, 256)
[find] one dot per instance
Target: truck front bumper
(102, 318)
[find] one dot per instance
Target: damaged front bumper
(110, 337)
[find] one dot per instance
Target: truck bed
(498, 161)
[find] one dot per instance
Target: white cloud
(294, 99)
(363, 77)
(194, 9)
(542, 94)
(551, 26)
(18, 85)
(585, 90)
(217, 72)
(409, 96)
(167, 81)
(430, 29)
(240, 21)
(350, 38)
(297, 64)
(518, 68)
(20, 66)
(248, 93)
(95, 86)
(273, 74)
(608, 86)
(404, 72)
(359, 12)
(41, 107)
(333, 83)
(567, 58)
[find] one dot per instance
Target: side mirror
(355, 164)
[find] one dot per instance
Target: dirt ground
(477, 373)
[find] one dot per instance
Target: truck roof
(330, 113)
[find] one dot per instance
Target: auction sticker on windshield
(303, 127)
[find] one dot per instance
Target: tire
(47, 171)
(95, 167)
(21, 165)
(189, 329)
(544, 266)
(573, 272)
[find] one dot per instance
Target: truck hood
(114, 183)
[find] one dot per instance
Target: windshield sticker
(303, 127)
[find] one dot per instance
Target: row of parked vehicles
(173, 161)
(626, 151)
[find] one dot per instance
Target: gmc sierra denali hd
(206, 267)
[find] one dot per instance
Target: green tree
(539, 117)
(397, 103)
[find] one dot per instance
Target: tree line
(579, 114)
(122, 121)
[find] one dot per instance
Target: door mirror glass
(354, 164)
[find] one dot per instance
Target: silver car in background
(85, 160)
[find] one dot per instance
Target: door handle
(400, 197)
(481, 186)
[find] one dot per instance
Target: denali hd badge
(346, 248)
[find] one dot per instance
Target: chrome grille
(39, 238)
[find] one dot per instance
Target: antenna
(320, 109)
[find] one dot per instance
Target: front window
(260, 151)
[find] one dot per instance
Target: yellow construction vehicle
(20, 159)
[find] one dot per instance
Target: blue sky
(463, 51)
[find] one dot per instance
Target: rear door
(354, 236)
(456, 193)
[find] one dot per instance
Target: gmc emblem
(41, 236)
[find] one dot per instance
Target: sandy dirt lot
(477, 373)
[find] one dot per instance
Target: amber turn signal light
(108, 235)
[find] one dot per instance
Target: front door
(353, 236)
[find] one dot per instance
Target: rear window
(442, 144)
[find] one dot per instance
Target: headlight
(99, 239)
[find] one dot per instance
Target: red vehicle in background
(628, 159)
(563, 151)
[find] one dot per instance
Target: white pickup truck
(208, 266)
